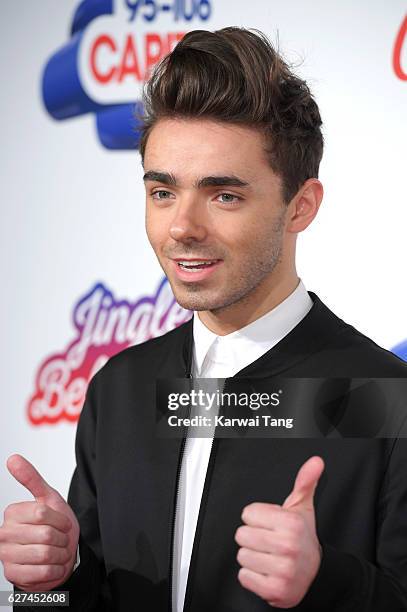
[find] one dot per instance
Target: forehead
(203, 146)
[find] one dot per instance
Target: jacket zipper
(178, 486)
(188, 374)
(212, 459)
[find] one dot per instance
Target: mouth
(195, 269)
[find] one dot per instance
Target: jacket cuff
(339, 581)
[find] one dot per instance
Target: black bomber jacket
(123, 490)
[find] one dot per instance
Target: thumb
(30, 478)
(305, 484)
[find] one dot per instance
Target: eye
(161, 194)
(229, 199)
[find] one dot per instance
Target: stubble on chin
(239, 288)
(238, 291)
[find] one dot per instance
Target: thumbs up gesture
(280, 553)
(38, 539)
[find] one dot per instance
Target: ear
(304, 206)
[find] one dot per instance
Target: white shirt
(221, 357)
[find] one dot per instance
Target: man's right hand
(38, 539)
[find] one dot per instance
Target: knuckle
(287, 571)
(285, 549)
(46, 572)
(43, 554)
(66, 555)
(40, 512)
(294, 553)
(290, 549)
(47, 534)
(269, 539)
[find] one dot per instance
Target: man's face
(211, 195)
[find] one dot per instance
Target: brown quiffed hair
(236, 76)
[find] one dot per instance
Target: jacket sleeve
(347, 582)
(88, 586)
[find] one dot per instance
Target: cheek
(241, 235)
(154, 228)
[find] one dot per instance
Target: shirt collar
(259, 336)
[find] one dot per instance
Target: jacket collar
(313, 332)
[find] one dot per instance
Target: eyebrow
(207, 181)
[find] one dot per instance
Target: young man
(230, 149)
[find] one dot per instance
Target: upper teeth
(195, 263)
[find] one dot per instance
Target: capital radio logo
(103, 327)
(113, 46)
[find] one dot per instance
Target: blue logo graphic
(401, 350)
(112, 47)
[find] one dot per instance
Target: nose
(188, 223)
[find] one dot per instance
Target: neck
(261, 300)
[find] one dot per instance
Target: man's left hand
(280, 553)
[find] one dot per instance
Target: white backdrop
(73, 211)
